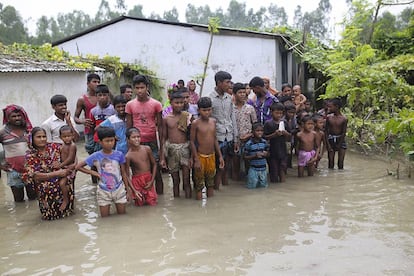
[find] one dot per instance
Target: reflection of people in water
(108, 175)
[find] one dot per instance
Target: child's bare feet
(64, 204)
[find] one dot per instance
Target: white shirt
(52, 126)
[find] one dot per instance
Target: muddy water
(351, 222)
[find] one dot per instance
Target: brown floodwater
(358, 221)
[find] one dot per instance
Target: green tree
(298, 18)
(43, 31)
(171, 15)
(317, 22)
(105, 13)
(11, 26)
(198, 15)
(276, 16)
(136, 11)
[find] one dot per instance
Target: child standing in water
(68, 161)
(256, 151)
(175, 145)
(307, 147)
(335, 132)
(205, 148)
(111, 173)
(277, 131)
(144, 169)
(320, 136)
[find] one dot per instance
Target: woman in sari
(39, 172)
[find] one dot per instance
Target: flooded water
(358, 221)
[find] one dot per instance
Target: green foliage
(112, 65)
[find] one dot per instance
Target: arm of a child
(218, 153)
(302, 99)
(71, 157)
(153, 169)
(163, 140)
(81, 167)
(193, 135)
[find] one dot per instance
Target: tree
(297, 18)
(43, 31)
(276, 16)
(105, 13)
(136, 11)
(171, 15)
(198, 15)
(11, 26)
(317, 21)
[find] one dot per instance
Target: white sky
(31, 10)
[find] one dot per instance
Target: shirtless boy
(205, 148)
(68, 158)
(307, 147)
(175, 145)
(320, 136)
(144, 168)
(335, 132)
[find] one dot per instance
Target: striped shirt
(15, 148)
(251, 148)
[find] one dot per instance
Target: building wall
(177, 52)
(33, 91)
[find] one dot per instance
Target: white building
(177, 50)
(31, 83)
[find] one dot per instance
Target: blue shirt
(109, 168)
(251, 148)
(119, 126)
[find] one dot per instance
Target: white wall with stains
(177, 52)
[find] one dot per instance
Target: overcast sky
(31, 10)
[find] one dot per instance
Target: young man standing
(144, 113)
(223, 112)
(264, 100)
(85, 103)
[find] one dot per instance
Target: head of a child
(308, 105)
(180, 84)
(106, 136)
(204, 107)
(66, 134)
(92, 81)
(290, 110)
(258, 130)
(38, 138)
(126, 91)
(186, 96)
(286, 89)
(133, 136)
(102, 95)
(119, 103)
(297, 90)
(177, 102)
(319, 122)
(278, 111)
(307, 123)
(223, 81)
(140, 84)
(59, 105)
(334, 105)
(239, 91)
(258, 86)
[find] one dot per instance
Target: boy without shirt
(175, 145)
(205, 148)
(144, 168)
(307, 147)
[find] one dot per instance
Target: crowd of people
(239, 129)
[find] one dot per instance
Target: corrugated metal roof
(10, 63)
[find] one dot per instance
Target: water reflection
(356, 221)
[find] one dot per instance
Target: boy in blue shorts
(111, 173)
(255, 151)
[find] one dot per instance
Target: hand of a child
(197, 164)
(148, 185)
(221, 166)
(163, 164)
(96, 174)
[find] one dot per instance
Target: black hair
(307, 118)
(57, 99)
(290, 106)
(257, 125)
(204, 102)
(277, 106)
(256, 81)
(181, 81)
(65, 128)
(105, 132)
(286, 85)
(140, 79)
(105, 161)
(102, 88)
(238, 86)
(34, 131)
(118, 99)
(286, 98)
(131, 130)
(220, 76)
(336, 101)
(123, 88)
(182, 90)
(92, 76)
(176, 95)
